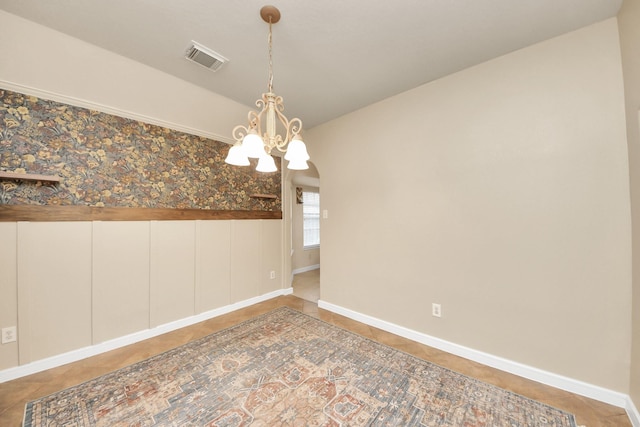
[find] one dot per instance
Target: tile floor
(15, 394)
(307, 285)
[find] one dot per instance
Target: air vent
(205, 57)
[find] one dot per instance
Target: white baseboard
(558, 381)
(633, 413)
(305, 269)
(83, 353)
(287, 291)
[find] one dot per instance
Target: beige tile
(307, 285)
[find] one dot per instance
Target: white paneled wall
(173, 272)
(8, 290)
(245, 260)
(213, 266)
(54, 288)
(270, 257)
(72, 285)
(120, 278)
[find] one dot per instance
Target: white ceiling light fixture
(252, 142)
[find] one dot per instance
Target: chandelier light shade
(236, 156)
(258, 139)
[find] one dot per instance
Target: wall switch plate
(325, 214)
(9, 334)
(272, 275)
(436, 310)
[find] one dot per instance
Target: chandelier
(252, 142)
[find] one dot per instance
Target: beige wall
(628, 20)
(71, 285)
(506, 201)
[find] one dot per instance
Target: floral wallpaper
(110, 161)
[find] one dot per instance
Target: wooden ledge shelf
(29, 177)
(88, 213)
(263, 196)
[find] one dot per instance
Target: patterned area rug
(285, 368)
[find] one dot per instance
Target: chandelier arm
(239, 132)
(254, 120)
(262, 102)
(279, 102)
(281, 142)
(293, 127)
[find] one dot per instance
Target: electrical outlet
(436, 310)
(9, 334)
(272, 275)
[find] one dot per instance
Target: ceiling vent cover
(205, 56)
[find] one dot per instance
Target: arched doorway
(304, 209)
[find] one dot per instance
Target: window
(311, 219)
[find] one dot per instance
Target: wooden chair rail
(12, 213)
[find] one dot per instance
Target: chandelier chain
(270, 60)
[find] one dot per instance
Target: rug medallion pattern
(285, 368)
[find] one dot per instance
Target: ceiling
(330, 57)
